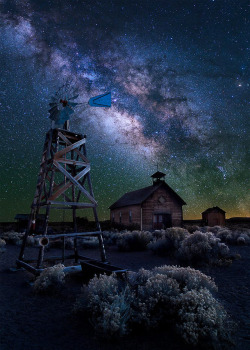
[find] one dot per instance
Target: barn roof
(214, 209)
(139, 196)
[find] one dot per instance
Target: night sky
(178, 75)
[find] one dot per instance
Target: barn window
(120, 217)
(160, 218)
(113, 217)
(130, 216)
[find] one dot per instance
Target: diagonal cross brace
(64, 138)
(62, 189)
(75, 182)
(71, 147)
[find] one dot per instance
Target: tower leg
(100, 237)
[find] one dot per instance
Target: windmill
(63, 182)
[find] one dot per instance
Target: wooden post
(63, 249)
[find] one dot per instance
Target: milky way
(178, 75)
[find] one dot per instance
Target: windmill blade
(52, 104)
(51, 110)
(73, 98)
(72, 104)
(54, 116)
(103, 100)
(68, 110)
(54, 98)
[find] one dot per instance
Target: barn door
(162, 221)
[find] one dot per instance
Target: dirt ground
(35, 322)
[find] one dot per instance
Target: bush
(134, 241)
(2, 245)
(169, 241)
(181, 296)
(238, 236)
(12, 237)
(108, 301)
(111, 238)
(230, 236)
(50, 280)
(202, 248)
(191, 228)
(202, 319)
(187, 277)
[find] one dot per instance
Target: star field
(180, 85)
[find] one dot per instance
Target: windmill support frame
(63, 179)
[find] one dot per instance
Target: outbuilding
(153, 207)
(214, 216)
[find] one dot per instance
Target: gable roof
(214, 209)
(139, 196)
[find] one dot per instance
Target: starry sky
(178, 74)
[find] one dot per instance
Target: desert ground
(37, 322)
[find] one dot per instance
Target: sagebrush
(50, 280)
(203, 248)
(168, 241)
(176, 295)
(134, 241)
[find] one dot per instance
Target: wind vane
(62, 104)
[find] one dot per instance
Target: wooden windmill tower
(63, 183)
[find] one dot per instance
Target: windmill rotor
(63, 103)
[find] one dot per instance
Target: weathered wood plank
(73, 234)
(69, 148)
(70, 161)
(76, 150)
(77, 204)
(76, 183)
(60, 191)
(28, 267)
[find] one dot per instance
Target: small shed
(153, 207)
(214, 216)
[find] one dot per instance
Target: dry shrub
(200, 248)
(202, 319)
(50, 280)
(12, 237)
(111, 238)
(108, 301)
(191, 228)
(234, 236)
(166, 294)
(2, 245)
(169, 241)
(187, 277)
(134, 241)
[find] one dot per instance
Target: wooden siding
(214, 218)
(150, 207)
(136, 215)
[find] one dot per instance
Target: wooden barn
(153, 207)
(214, 216)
